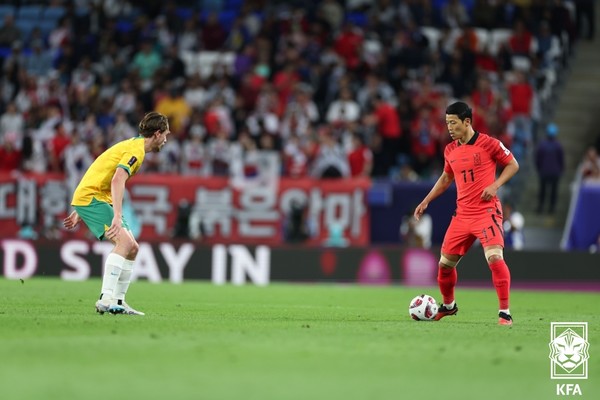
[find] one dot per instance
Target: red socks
(447, 280)
(501, 279)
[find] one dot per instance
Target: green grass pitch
(283, 341)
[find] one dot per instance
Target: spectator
(330, 161)
(77, 159)
(454, 14)
(175, 108)
(424, 138)
(213, 33)
(360, 157)
(190, 36)
(10, 155)
(549, 161)
(193, 160)
(344, 110)
(521, 40)
(88, 129)
(217, 118)
(61, 35)
(146, 61)
(301, 111)
(513, 225)
(348, 44)
(386, 121)
(83, 77)
(333, 13)
(220, 153)
(521, 97)
(125, 100)
(194, 93)
(589, 168)
(11, 121)
(548, 47)
(121, 130)
(586, 18)
(295, 159)
(416, 233)
(57, 146)
(39, 63)
(9, 32)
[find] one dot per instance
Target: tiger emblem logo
(569, 350)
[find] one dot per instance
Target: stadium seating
(6, 10)
(53, 13)
(32, 12)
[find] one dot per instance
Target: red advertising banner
(212, 209)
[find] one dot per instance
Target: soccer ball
(423, 308)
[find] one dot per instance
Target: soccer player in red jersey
(470, 160)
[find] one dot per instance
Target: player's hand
(71, 221)
(114, 230)
(489, 193)
(420, 210)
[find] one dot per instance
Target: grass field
(200, 341)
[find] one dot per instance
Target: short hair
(461, 110)
(152, 122)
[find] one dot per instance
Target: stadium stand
(272, 69)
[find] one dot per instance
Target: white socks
(507, 311)
(112, 271)
(124, 280)
(450, 306)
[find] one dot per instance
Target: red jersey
(474, 168)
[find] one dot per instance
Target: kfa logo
(569, 354)
(569, 350)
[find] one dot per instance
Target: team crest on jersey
(132, 161)
(476, 159)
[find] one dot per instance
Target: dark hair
(151, 123)
(461, 110)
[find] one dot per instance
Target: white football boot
(109, 306)
(131, 311)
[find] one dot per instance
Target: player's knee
(448, 262)
(133, 250)
(128, 243)
(493, 255)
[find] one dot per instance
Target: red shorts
(462, 232)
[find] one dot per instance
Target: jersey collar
(472, 141)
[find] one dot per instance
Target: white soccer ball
(423, 308)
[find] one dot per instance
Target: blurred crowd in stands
(336, 88)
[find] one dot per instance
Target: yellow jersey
(127, 154)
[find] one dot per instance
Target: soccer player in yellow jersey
(98, 201)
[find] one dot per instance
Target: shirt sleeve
(500, 152)
(131, 161)
(447, 168)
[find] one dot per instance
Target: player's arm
(443, 182)
(508, 172)
(117, 190)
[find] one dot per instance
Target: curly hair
(153, 122)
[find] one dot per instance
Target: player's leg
(98, 217)
(501, 280)
(490, 233)
(456, 242)
(125, 278)
(447, 278)
(114, 266)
